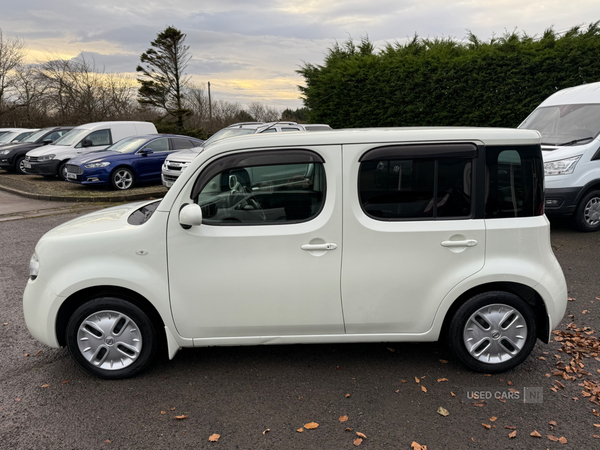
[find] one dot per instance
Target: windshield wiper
(576, 141)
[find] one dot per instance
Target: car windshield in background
(127, 145)
(6, 138)
(565, 124)
(35, 136)
(227, 133)
(72, 137)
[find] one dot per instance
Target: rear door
(411, 233)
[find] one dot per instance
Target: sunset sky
(250, 50)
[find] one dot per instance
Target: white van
(378, 235)
(51, 160)
(569, 122)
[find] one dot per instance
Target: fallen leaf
(65, 382)
(348, 429)
(300, 430)
(38, 353)
(562, 440)
(5, 323)
(17, 399)
(510, 427)
(343, 418)
(501, 400)
(417, 380)
(485, 425)
(26, 355)
(361, 435)
(542, 358)
(536, 434)
(552, 438)
(417, 446)
(347, 395)
(311, 426)
(391, 349)
(493, 419)
(452, 394)
(509, 383)
(596, 436)
(443, 411)
(553, 423)
(479, 405)
(512, 434)
(45, 385)
(214, 437)
(596, 413)
(423, 388)
(266, 431)
(107, 441)
(173, 409)
(488, 375)
(443, 361)
(442, 379)
(357, 441)
(181, 417)
(404, 381)
(597, 425)
(163, 412)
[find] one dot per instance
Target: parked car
(335, 237)
(133, 160)
(51, 160)
(12, 157)
(569, 122)
(177, 162)
(16, 136)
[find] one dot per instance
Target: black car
(12, 156)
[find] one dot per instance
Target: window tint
(100, 137)
(158, 145)
(180, 144)
(514, 182)
(416, 188)
(273, 194)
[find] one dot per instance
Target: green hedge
(442, 82)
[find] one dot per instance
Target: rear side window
(514, 182)
(424, 185)
(180, 143)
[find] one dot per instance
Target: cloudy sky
(250, 50)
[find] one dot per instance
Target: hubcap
(495, 333)
(123, 179)
(22, 166)
(591, 212)
(109, 340)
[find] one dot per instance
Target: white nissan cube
(366, 235)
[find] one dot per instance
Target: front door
(266, 259)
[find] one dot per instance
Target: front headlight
(561, 167)
(34, 267)
(4, 152)
(46, 157)
(96, 165)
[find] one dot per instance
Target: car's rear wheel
(20, 165)
(111, 338)
(587, 215)
(122, 178)
(493, 332)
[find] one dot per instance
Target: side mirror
(87, 143)
(146, 151)
(190, 215)
(47, 141)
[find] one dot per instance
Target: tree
(11, 56)
(162, 72)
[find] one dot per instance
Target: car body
(12, 157)
(177, 162)
(569, 122)
(135, 159)
(375, 235)
(51, 160)
(15, 136)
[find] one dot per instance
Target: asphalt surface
(47, 402)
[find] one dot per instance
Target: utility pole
(209, 104)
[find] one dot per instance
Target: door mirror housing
(146, 151)
(47, 141)
(190, 215)
(86, 143)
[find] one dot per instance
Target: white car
(376, 235)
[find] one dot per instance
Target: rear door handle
(316, 247)
(465, 243)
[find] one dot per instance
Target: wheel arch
(527, 293)
(78, 298)
(585, 190)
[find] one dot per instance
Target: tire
(19, 168)
(111, 338)
(62, 171)
(503, 324)
(587, 214)
(122, 178)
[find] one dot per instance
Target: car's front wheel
(111, 338)
(122, 178)
(587, 215)
(493, 332)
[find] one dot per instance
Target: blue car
(133, 160)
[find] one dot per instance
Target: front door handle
(465, 243)
(317, 247)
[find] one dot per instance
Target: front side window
(263, 194)
(514, 179)
(98, 138)
(158, 145)
(400, 186)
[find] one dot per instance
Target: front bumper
(168, 177)
(98, 176)
(45, 168)
(40, 308)
(561, 201)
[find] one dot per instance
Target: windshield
(127, 145)
(227, 133)
(35, 136)
(5, 138)
(565, 124)
(72, 137)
